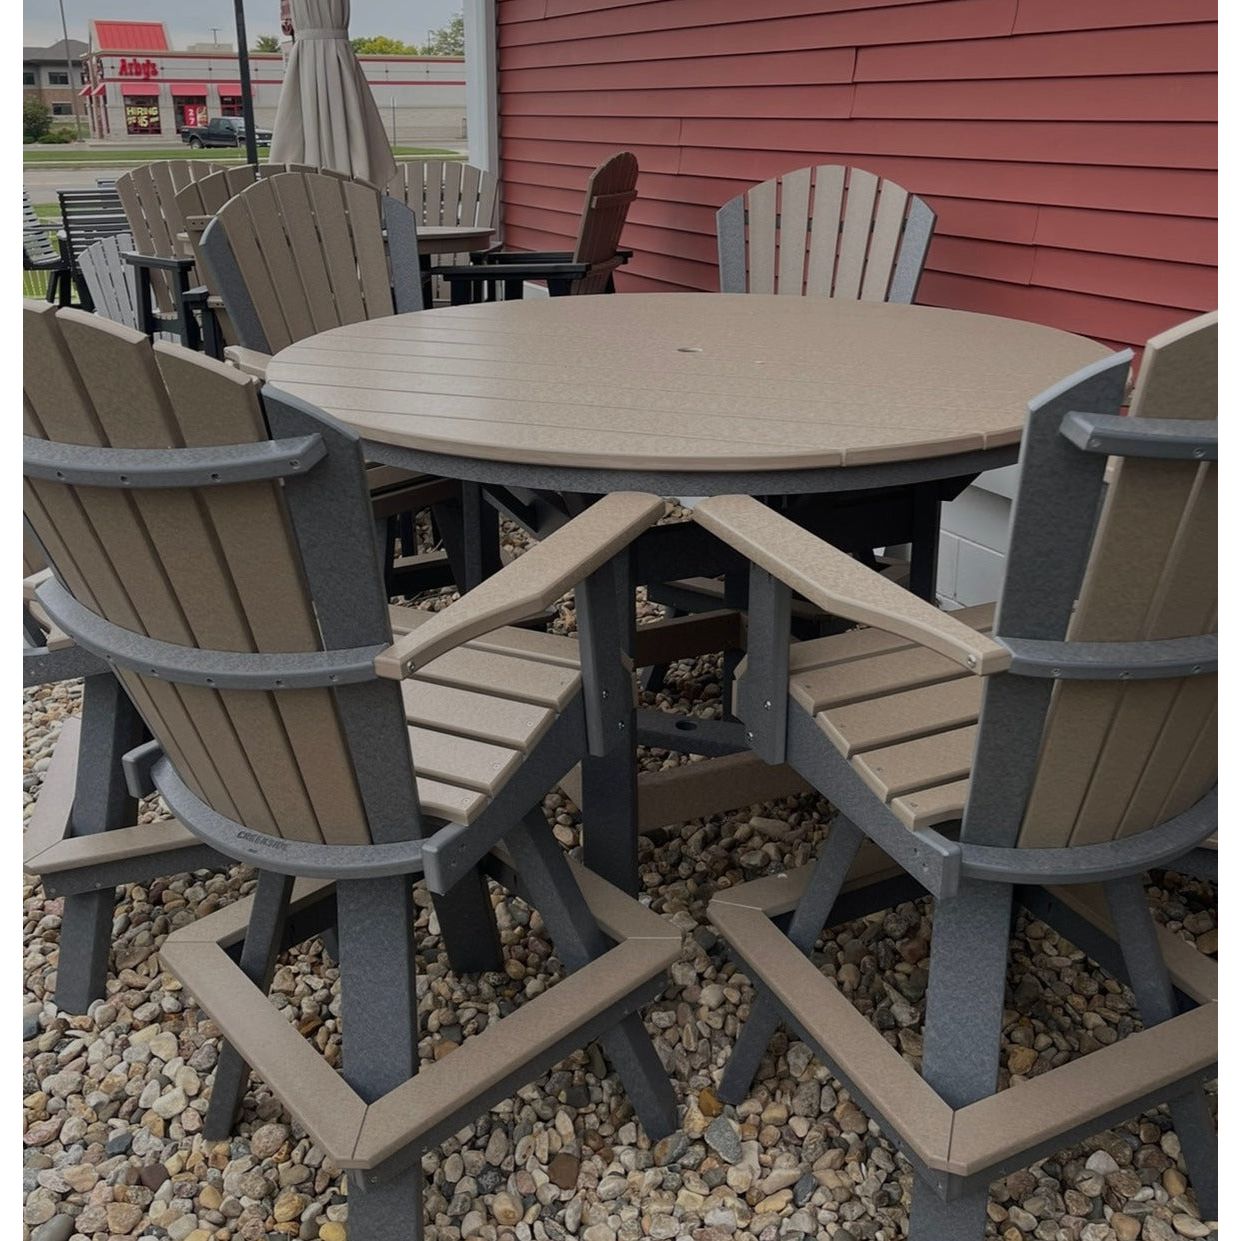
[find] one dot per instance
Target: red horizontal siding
(1068, 147)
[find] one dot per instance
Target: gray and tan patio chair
(828, 231)
(83, 839)
(225, 569)
(834, 232)
(589, 267)
(295, 253)
(1068, 739)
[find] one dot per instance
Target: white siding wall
(973, 540)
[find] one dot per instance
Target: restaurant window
(190, 111)
(62, 109)
(230, 105)
(142, 114)
(57, 77)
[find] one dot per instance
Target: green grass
(103, 157)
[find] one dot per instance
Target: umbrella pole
(247, 98)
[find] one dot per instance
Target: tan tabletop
(452, 238)
(684, 382)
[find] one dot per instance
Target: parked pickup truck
(223, 131)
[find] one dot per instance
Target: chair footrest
(49, 848)
(1005, 1130)
(438, 1099)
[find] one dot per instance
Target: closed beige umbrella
(327, 115)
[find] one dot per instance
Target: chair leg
(1148, 977)
(110, 727)
(809, 919)
(468, 925)
(578, 940)
(258, 963)
(961, 1036)
(379, 1015)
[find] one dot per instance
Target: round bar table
(684, 394)
(452, 238)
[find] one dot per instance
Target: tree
(382, 45)
(447, 40)
(266, 43)
(36, 119)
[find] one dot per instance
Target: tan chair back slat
(855, 233)
(149, 195)
(410, 184)
(884, 240)
(829, 196)
(433, 191)
(1151, 575)
(794, 226)
(610, 190)
(762, 211)
(310, 251)
(215, 568)
(450, 193)
(825, 231)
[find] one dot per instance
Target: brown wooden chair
(1066, 739)
(588, 268)
(828, 231)
(225, 568)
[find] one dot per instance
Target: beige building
(54, 75)
(137, 87)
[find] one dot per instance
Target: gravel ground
(114, 1100)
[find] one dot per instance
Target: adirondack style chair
(1065, 738)
(447, 192)
(295, 253)
(225, 568)
(587, 268)
(195, 203)
(87, 216)
(39, 255)
(165, 271)
(112, 285)
(83, 838)
(828, 231)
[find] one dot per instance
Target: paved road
(44, 182)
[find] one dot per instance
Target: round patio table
(685, 393)
(688, 395)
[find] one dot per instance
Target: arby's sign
(133, 67)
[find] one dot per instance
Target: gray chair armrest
(837, 583)
(530, 583)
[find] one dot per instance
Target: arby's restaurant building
(136, 86)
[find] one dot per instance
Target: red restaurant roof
(130, 36)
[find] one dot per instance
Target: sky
(190, 21)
